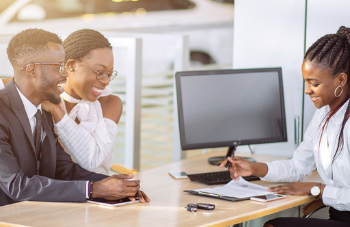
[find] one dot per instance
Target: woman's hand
(242, 167)
(238, 167)
(49, 107)
(296, 188)
(55, 110)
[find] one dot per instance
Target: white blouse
(311, 154)
(1, 85)
(90, 143)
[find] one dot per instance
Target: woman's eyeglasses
(100, 75)
(61, 70)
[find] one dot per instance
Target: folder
(215, 195)
(233, 191)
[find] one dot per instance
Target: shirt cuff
(87, 189)
(329, 195)
(63, 121)
(269, 175)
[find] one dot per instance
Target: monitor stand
(217, 160)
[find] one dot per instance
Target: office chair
(312, 207)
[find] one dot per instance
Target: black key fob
(192, 207)
(205, 206)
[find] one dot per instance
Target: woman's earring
(335, 91)
(70, 69)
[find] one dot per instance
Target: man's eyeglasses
(61, 70)
(100, 75)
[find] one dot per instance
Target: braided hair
(29, 42)
(79, 44)
(332, 53)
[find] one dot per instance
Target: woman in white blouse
(326, 145)
(86, 121)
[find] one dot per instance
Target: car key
(205, 206)
(192, 207)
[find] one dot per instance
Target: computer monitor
(218, 108)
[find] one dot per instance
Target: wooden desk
(165, 209)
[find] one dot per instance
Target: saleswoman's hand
(296, 188)
(242, 167)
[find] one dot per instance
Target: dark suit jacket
(59, 178)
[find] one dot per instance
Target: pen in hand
(232, 149)
(228, 163)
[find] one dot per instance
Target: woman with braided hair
(86, 121)
(326, 145)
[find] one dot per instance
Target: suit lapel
(18, 108)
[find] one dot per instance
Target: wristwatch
(316, 190)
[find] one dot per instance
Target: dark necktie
(37, 134)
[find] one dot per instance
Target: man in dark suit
(33, 165)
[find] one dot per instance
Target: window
(75, 8)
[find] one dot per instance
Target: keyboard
(221, 177)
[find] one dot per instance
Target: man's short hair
(29, 42)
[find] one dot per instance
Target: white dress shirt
(312, 154)
(31, 111)
(1, 85)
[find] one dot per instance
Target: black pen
(228, 163)
(231, 152)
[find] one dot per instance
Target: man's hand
(142, 197)
(118, 187)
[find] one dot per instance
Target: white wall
(271, 34)
(323, 17)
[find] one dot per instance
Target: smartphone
(267, 198)
(178, 174)
(113, 203)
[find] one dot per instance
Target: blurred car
(208, 23)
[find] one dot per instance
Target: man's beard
(51, 98)
(45, 87)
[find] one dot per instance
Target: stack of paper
(237, 189)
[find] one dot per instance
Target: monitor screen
(218, 107)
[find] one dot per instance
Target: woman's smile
(97, 90)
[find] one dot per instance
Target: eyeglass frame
(103, 74)
(61, 70)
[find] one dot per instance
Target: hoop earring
(335, 91)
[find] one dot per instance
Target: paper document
(238, 189)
